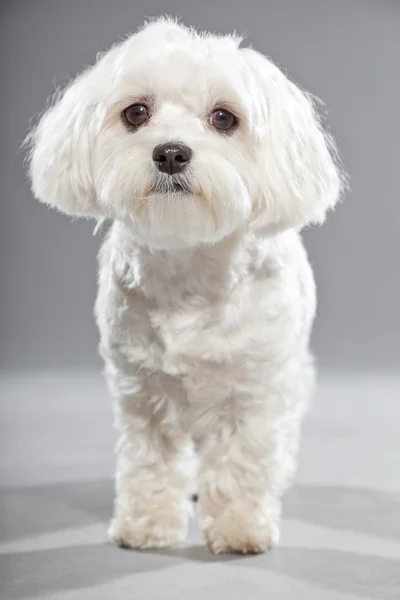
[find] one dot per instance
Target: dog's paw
(240, 532)
(150, 528)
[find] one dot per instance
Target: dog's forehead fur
(169, 60)
(169, 32)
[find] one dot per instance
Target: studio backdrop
(345, 51)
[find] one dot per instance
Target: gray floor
(341, 532)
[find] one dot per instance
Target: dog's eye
(136, 115)
(222, 119)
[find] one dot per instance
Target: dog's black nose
(171, 158)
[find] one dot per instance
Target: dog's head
(187, 137)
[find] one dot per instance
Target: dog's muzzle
(172, 160)
(165, 185)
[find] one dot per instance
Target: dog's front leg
(246, 460)
(154, 475)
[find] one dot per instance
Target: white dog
(208, 161)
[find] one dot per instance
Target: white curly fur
(206, 298)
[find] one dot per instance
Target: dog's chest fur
(208, 318)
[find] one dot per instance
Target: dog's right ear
(61, 148)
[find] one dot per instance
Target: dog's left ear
(301, 178)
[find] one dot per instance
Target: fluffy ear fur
(62, 150)
(302, 179)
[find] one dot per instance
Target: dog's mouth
(171, 186)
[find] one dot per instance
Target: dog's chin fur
(177, 220)
(206, 298)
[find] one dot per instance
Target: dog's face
(187, 138)
(176, 155)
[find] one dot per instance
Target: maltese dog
(208, 161)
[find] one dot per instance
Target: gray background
(345, 51)
(341, 528)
